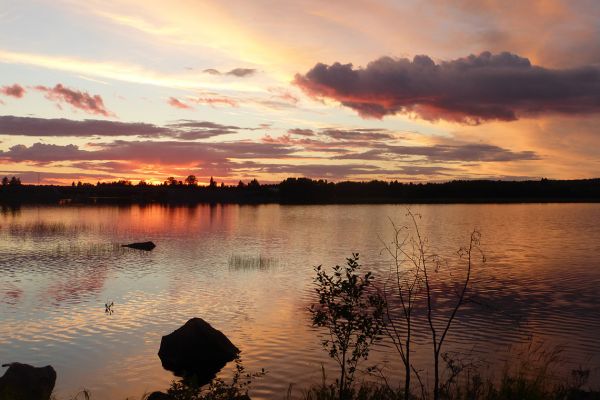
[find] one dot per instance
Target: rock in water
(158, 396)
(24, 382)
(196, 349)
(147, 246)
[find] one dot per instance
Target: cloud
(237, 72)
(241, 72)
(283, 94)
(15, 90)
(43, 153)
(173, 102)
(468, 152)
(471, 90)
(61, 127)
(191, 129)
(30, 126)
(45, 177)
(357, 134)
(92, 104)
(211, 71)
(301, 132)
(216, 101)
(148, 152)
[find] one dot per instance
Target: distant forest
(303, 191)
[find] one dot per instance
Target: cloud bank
(470, 90)
(61, 127)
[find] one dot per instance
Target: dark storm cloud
(471, 90)
(42, 127)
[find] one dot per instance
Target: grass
(246, 262)
(41, 228)
(528, 379)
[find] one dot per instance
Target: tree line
(307, 191)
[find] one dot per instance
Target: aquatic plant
(246, 262)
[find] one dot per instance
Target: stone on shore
(25, 382)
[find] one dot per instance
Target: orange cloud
(173, 102)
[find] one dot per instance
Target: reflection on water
(248, 271)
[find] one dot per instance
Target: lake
(248, 271)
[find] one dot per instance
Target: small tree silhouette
(353, 315)
(191, 180)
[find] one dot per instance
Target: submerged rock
(25, 382)
(196, 349)
(147, 246)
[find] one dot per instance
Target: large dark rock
(158, 396)
(24, 382)
(196, 349)
(147, 246)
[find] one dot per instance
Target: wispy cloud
(237, 72)
(173, 102)
(91, 104)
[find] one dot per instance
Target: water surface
(59, 265)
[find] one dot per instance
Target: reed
(247, 262)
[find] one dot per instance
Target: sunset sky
(341, 90)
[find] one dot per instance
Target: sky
(414, 91)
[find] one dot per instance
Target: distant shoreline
(304, 191)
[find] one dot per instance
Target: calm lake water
(59, 265)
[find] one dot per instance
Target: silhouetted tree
(14, 181)
(171, 181)
(5, 181)
(405, 285)
(425, 266)
(212, 183)
(191, 180)
(352, 313)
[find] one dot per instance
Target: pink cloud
(92, 104)
(173, 102)
(217, 101)
(15, 90)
